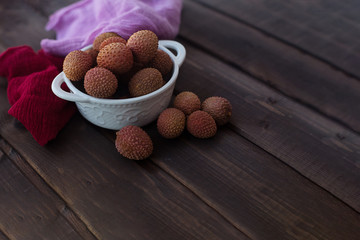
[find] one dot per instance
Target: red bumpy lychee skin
(219, 108)
(145, 81)
(116, 57)
(161, 62)
(200, 124)
(143, 45)
(171, 123)
(76, 64)
(100, 82)
(112, 40)
(101, 37)
(134, 143)
(93, 53)
(187, 102)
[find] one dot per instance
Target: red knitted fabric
(29, 92)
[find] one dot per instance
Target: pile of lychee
(200, 119)
(113, 61)
(137, 62)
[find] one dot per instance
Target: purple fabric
(77, 25)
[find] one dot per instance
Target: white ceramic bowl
(117, 113)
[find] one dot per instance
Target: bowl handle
(178, 47)
(58, 91)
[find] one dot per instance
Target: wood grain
(318, 148)
(241, 181)
(21, 25)
(129, 204)
(254, 190)
(116, 198)
(283, 67)
(46, 8)
(3, 236)
(100, 178)
(42, 187)
(279, 170)
(26, 213)
(324, 29)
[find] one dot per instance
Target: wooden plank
(26, 213)
(3, 236)
(46, 8)
(115, 197)
(273, 206)
(21, 25)
(294, 73)
(325, 29)
(128, 190)
(259, 194)
(42, 187)
(135, 216)
(215, 167)
(318, 148)
(2, 48)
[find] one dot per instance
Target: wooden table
(287, 166)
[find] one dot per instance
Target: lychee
(145, 81)
(134, 143)
(93, 53)
(161, 62)
(76, 64)
(219, 108)
(171, 123)
(187, 102)
(143, 45)
(126, 77)
(98, 40)
(100, 82)
(116, 57)
(112, 40)
(200, 124)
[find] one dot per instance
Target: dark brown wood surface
(291, 71)
(325, 29)
(287, 166)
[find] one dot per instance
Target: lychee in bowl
(117, 113)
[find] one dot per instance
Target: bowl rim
(155, 93)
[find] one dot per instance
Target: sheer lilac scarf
(78, 24)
